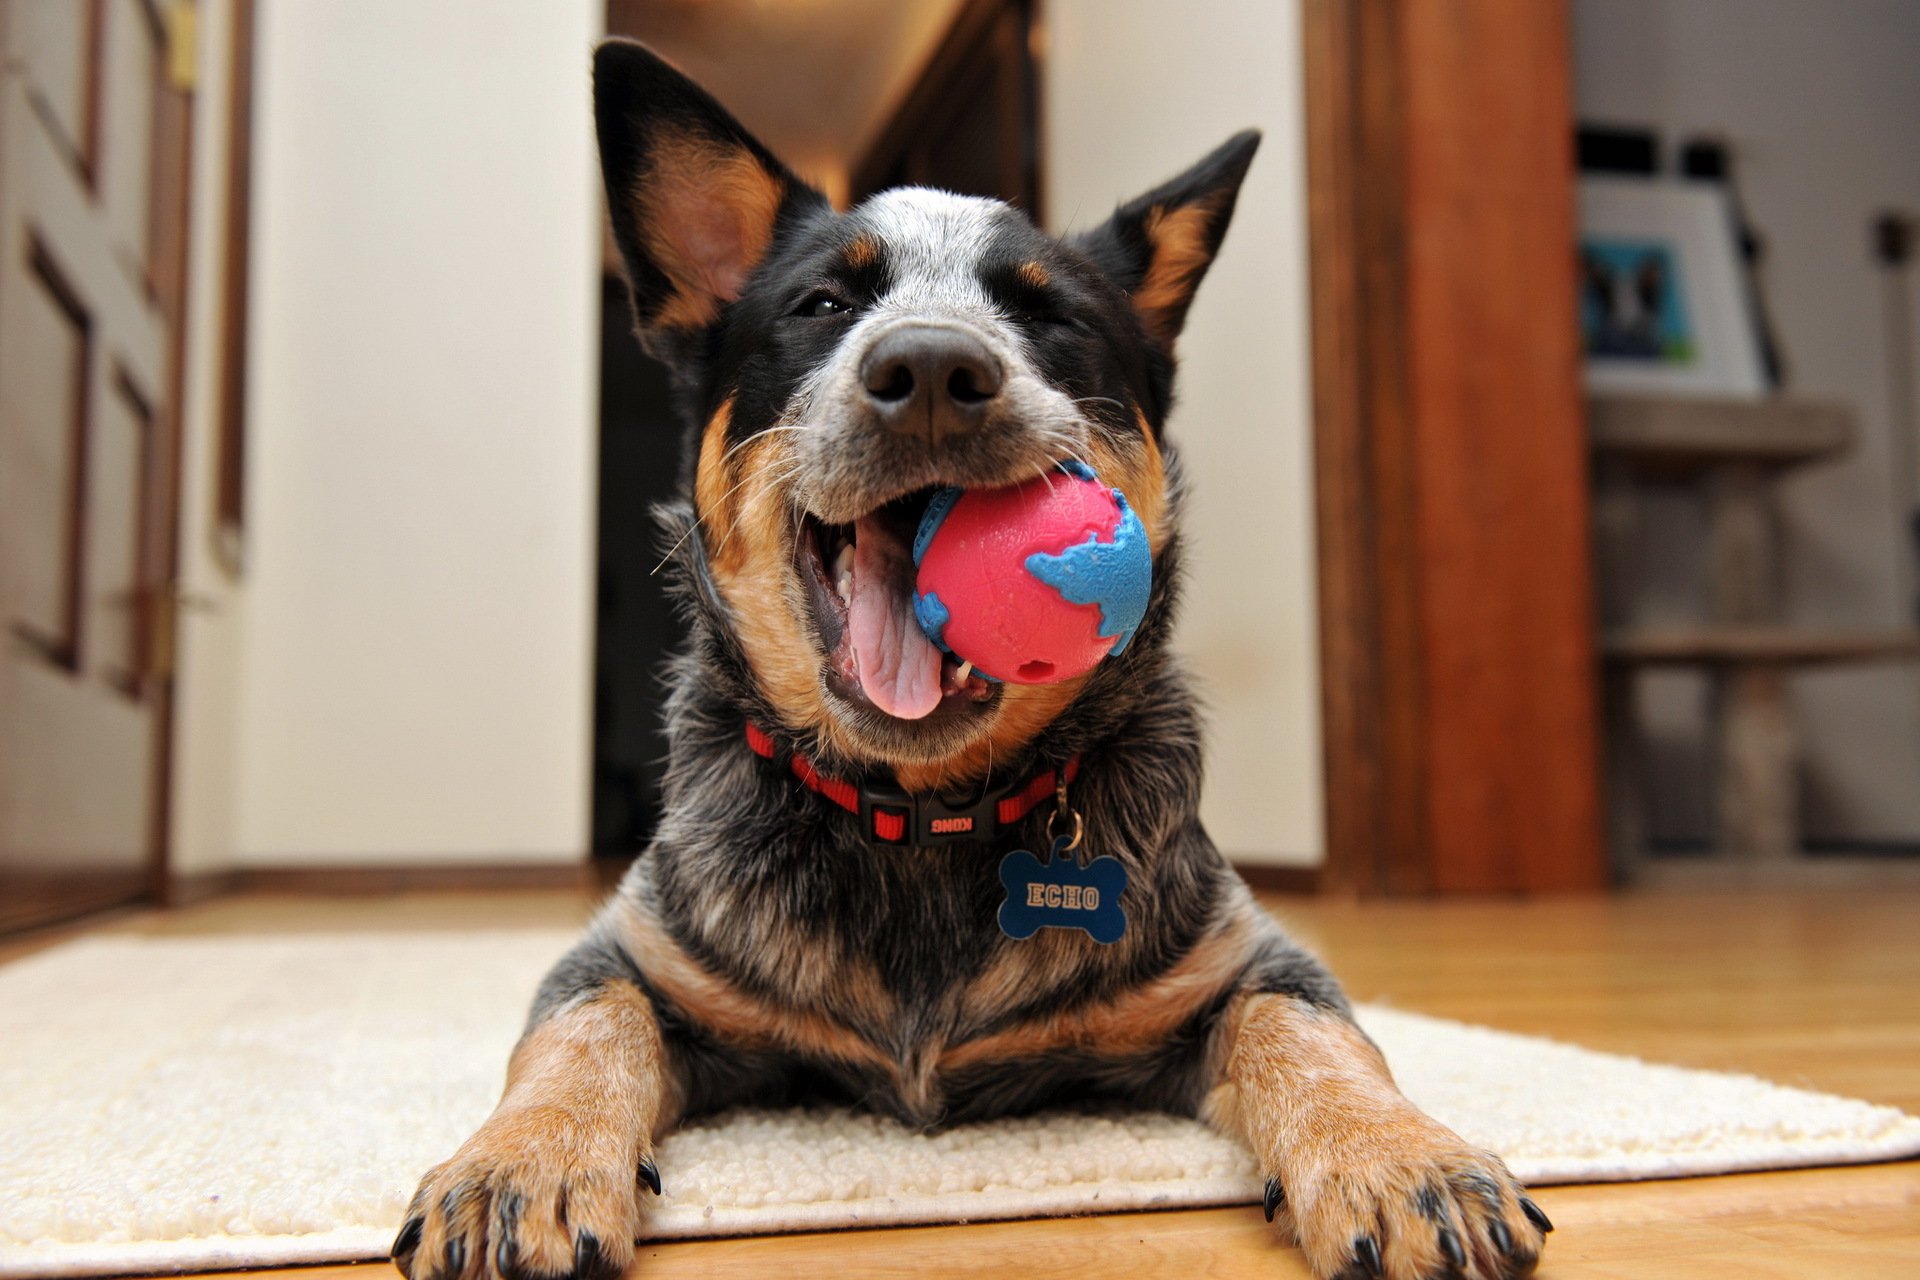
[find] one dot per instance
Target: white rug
(173, 1104)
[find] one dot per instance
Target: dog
(804, 925)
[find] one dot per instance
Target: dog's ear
(695, 199)
(1158, 246)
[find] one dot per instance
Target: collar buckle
(893, 816)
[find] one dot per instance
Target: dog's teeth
(843, 574)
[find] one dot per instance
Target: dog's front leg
(1372, 1186)
(550, 1186)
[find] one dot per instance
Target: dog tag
(1061, 894)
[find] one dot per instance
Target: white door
(91, 161)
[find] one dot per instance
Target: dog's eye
(823, 304)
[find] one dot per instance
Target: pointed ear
(695, 199)
(1158, 247)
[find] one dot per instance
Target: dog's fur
(762, 948)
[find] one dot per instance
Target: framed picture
(1662, 306)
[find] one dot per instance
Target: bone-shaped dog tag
(1061, 894)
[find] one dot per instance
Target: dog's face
(847, 365)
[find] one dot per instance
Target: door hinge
(165, 605)
(183, 45)
(162, 618)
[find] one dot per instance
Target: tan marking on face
(747, 527)
(1180, 253)
(730, 1013)
(1133, 1022)
(1033, 275)
(1313, 1098)
(706, 211)
(588, 1091)
(863, 253)
(1136, 468)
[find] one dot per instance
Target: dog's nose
(932, 380)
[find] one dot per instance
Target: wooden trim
(64, 650)
(1370, 699)
(158, 139)
(173, 217)
(1036, 36)
(1268, 879)
(30, 901)
(367, 881)
(136, 679)
(87, 146)
(231, 440)
(1460, 691)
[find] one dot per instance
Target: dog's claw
(409, 1238)
(1276, 1197)
(1502, 1238)
(1536, 1215)
(649, 1173)
(588, 1262)
(1366, 1251)
(1450, 1245)
(455, 1260)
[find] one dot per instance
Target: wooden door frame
(1457, 637)
(172, 287)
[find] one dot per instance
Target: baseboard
(1270, 879)
(187, 890)
(359, 881)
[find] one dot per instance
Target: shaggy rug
(172, 1104)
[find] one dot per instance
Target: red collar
(890, 815)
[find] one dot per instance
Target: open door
(92, 168)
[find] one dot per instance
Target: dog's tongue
(898, 666)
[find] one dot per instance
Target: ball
(1034, 583)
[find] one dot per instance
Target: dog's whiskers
(694, 525)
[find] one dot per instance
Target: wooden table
(1734, 452)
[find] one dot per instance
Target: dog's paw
(529, 1198)
(1406, 1200)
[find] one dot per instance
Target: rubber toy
(1034, 583)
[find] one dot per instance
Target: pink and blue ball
(1034, 583)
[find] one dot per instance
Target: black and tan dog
(805, 924)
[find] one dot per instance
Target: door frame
(171, 288)
(1459, 665)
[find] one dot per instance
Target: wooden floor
(1816, 988)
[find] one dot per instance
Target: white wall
(207, 643)
(1821, 103)
(414, 651)
(1136, 91)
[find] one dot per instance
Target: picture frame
(1662, 306)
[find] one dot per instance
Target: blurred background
(1550, 418)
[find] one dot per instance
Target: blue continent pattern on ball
(931, 612)
(932, 518)
(1117, 576)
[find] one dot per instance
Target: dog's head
(843, 366)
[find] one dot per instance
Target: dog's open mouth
(860, 578)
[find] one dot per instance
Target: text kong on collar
(890, 815)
